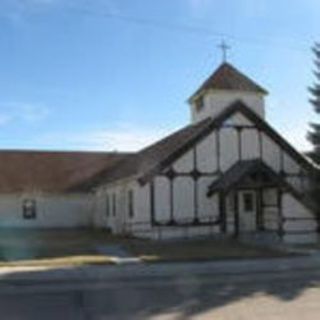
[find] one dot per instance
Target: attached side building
(34, 188)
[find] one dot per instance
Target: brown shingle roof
(146, 159)
(161, 154)
(240, 170)
(26, 171)
(234, 177)
(227, 77)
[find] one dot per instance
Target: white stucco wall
(208, 208)
(185, 163)
(52, 211)
(270, 209)
(121, 221)
(249, 144)
(162, 199)
(183, 204)
(300, 225)
(216, 101)
(206, 151)
(184, 187)
(229, 151)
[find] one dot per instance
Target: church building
(226, 173)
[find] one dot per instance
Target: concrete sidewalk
(152, 271)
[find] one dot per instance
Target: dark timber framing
(215, 125)
(280, 214)
(218, 151)
(195, 176)
(152, 207)
(223, 212)
(262, 129)
(239, 136)
(236, 214)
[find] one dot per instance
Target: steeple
(224, 86)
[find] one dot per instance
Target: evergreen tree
(314, 133)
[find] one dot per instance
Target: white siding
(52, 211)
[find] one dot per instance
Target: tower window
(199, 103)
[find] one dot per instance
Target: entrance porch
(252, 202)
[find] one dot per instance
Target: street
(267, 295)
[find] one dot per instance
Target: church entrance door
(247, 204)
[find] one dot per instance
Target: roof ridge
(228, 77)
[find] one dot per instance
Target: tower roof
(227, 77)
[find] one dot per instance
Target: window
(248, 202)
(114, 204)
(107, 205)
(199, 103)
(131, 204)
(29, 209)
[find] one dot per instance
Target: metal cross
(224, 48)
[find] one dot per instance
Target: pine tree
(314, 133)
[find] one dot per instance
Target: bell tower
(225, 86)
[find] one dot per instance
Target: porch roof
(246, 173)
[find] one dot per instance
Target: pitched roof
(241, 170)
(55, 172)
(151, 160)
(146, 159)
(261, 175)
(227, 77)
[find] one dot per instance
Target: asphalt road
(263, 295)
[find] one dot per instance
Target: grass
(199, 250)
(55, 248)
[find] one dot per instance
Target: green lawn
(55, 245)
(80, 247)
(199, 250)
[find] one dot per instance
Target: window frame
(29, 209)
(199, 104)
(248, 201)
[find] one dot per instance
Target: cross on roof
(224, 48)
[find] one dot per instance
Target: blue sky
(115, 74)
